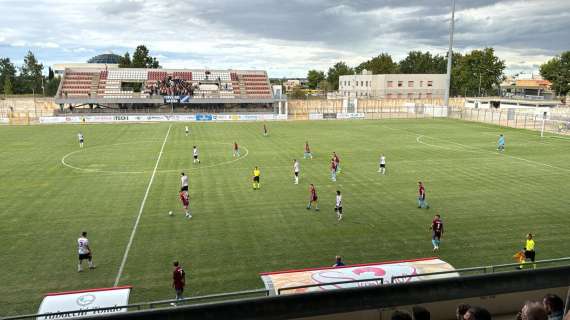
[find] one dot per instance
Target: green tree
(314, 77)
(423, 62)
(381, 64)
(31, 74)
(7, 88)
(325, 86)
(125, 61)
(7, 75)
(298, 93)
(51, 74)
(52, 86)
(142, 59)
(557, 71)
(478, 72)
(339, 69)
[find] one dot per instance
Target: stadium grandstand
(132, 87)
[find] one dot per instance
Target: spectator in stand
(477, 313)
(554, 306)
(461, 310)
(532, 310)
(420, 313)
(401, 315)
(338, 262)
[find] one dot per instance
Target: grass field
(488, 201)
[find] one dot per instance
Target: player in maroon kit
(337, 161)
(308, 154)
(236, 150)
(185, 199)
(178, 281)
(422, 203)
(333, 170)
(437, 232)
(313, 198)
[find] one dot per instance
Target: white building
(392, 86)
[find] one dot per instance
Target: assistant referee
(529, 252)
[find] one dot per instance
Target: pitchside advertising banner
(84, 303)
(329, 116)
(161, 118)
(4, 120)
(322, 279)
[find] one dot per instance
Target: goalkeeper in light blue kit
(501, 143)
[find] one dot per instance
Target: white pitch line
(124, 261)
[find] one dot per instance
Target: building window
(400, 83)
(367, 83)
(356, 83)
(390, 84)
(419, 95)
(410, 84)
(430, 83)
(421, 83)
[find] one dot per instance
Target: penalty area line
(130, 243)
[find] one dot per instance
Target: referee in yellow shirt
(256, 178)
(529, 253)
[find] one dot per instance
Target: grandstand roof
(109, 58)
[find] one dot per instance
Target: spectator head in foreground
(420, 313)
(554, 306)
(533, 310)
(477, 313)
(461, 310)
(401, 315)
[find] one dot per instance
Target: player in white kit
(183, 182)
(382, 167)
(81, 139)
(296, 169)
(195, 154)
(84, 252)
(187, 130)
(338, 205)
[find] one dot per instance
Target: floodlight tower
(449, 55)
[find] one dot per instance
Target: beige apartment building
(392, 86)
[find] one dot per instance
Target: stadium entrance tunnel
(500, 293)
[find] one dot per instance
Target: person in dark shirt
(338, 262)
(437, 231)
(178, 281)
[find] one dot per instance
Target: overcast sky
(284, 37)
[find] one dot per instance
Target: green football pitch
(120, 187)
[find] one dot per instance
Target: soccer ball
(170, 213)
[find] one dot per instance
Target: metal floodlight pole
(449, 55)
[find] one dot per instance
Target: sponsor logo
(85, 300)
(120, 118)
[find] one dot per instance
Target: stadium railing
(485, 269)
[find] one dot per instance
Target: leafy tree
(7, 75)
(125, 61)
(314, 77)
(423, 62)
(7, 88)
(51, 74)
(325, 86)
(381, 64)
(557, 71)
(298, 93)
(339, 69)
(478, 72)
(31, 74)
(52, 86)
(142, 59)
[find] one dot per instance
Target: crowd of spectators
(171, 87)
(550, 308)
